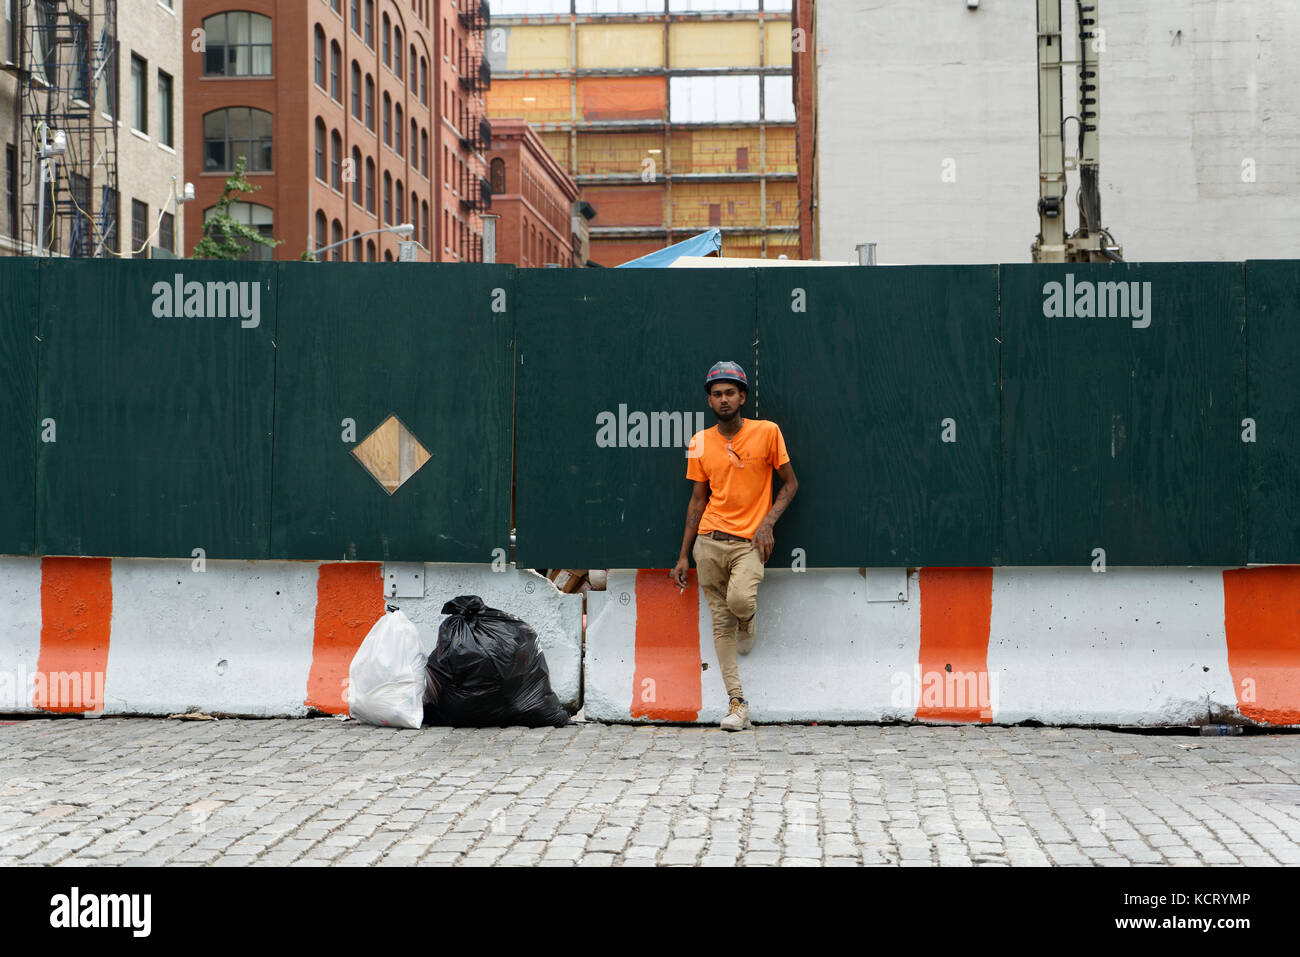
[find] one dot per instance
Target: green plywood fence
(934, 415)
(885, 384)
(431, 346)
(19, 426)
(627, 349)
(159, 379)
(1124, 390)
(1273, 324)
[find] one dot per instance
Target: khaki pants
(729, 574)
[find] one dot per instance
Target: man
(729, 521)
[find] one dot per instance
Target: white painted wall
(1190, 89)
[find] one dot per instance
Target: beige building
(106, 75)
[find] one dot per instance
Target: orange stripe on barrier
(956, 611)
(349, 600)
(1261, 618)
(666, 677)
(76, 618)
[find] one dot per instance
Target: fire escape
(475, 77)
(67, 84)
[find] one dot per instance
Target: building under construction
(671, 119)
(90, 89)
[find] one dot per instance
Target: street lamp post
(405, 229)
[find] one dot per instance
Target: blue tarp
(701, 245)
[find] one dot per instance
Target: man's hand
(763, 541)
(678, 572)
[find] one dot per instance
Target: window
(336, 160)
(413, 142)
(165, 109)
(319, 60)
(386, 41)
(370, 185)
(370, 102)
(11, 190)
(388, 120)
(356, 89)
(370, 23)
(320, 148)
(397, 52)
(356, 176)
(424, 224)
(336, 67)
(250, 214)
(388, 199)
(139, 229)
(356, 16)
(322, 236)
(336, 6)
(167, 232)
(234, 132)
(424, 81)
(397, 132)
(356, 247)
(411, 58)
(401, 202)
(80, 66)
(238, 44)
(336, 236)
(140, 93)
(424, 153)
(113, 207)
(370, 250)
(498, 176)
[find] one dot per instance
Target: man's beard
(728, 417)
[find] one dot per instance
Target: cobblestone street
(235, 792)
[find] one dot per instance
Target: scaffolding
(67, 83)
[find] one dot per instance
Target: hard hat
(726, 372)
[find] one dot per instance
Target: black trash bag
(488, 671)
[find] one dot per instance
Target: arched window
(388, 119)
(234, 132)
(388, 255)
(414, 79)
(424, 81)
(424, 225)
(319, 58)
(237, 43)
(336, 160)
(356, 176)
(398, 126)
(356, 16)
(356, 247)
(250, 214)
(388, 199)
(320, 149)
(401, 203)
(370, 24)
(424, 153)
(322, 230)
(370, 185)
(356, 89)
(336, 236)
(386, 40)
(397, 52)
(370, 102)
(370, 250)
(498, 176)
(413, 143)
(336, 68)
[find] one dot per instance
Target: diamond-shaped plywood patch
(391, 454)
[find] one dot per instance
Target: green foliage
(223, 236)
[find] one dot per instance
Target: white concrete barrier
(1129, 646)
(263, 638)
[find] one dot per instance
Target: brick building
(355, 116)
(534, 198)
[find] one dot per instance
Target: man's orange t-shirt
(739, 497)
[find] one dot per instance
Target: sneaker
(745, 635)
(737, 718)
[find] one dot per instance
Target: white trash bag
(386, 680)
